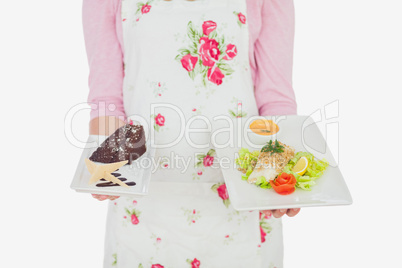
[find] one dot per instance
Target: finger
(267, 213)
(293, 212)
(279, 212)
(102, 197)
(96, 196)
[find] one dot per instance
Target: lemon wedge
(301, 166)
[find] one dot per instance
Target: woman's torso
(187, 67)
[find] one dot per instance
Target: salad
(277, 166)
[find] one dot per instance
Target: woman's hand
(102, 197)
(278, 213)
(104, 125)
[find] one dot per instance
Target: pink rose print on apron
(197, 110)
(265, 227)
(194, 263)
(238, 107)
(207, 55)
(203, 161)
(241, 18)
(229, 238)
(152, 266)
(192, 215)
(158, 88)
(156, 242)
(164, 162)
(142, 9)
(132, 216)
(159, 121)
(221, 190)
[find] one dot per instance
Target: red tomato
(284, 184)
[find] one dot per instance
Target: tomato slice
(283, 189)
(285, 178)
(284, 184)
(280, 180)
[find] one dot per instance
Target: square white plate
(303, 134)
(139, 172)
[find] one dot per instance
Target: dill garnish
(272, 148)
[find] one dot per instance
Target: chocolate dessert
(126, 143)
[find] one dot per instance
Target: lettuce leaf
(245, 158)
(263, 183)
(245, 176)
(315, 170)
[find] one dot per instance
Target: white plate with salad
(280, 162)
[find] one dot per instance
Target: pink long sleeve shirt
(271, 29)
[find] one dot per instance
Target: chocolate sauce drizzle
(110, 184)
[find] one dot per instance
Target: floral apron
(186, 62)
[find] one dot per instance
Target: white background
(346, 51)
